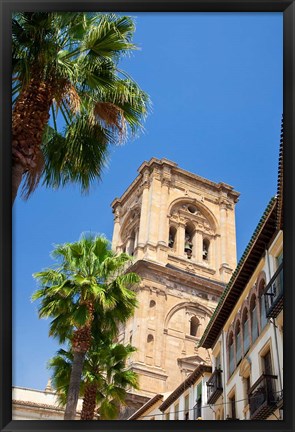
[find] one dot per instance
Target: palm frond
(110, 115)
(105, 40)
(78, 157)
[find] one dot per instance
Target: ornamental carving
(189, 212)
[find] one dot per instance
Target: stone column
(223, 215)
(143, 325)
(163, 226)
(198, 245)
(136, 239)
(212, 253)
(217, 251)
(142, 236)
(159, 342)
(153, 213)
(116, 232)
(180, 239)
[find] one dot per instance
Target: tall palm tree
(88, 279)
(65, 65)
(107, 387)
(105, 379)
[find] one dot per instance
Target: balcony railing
(263, 397)
(273, 294)
(214, 386)
(198, 409)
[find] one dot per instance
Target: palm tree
(105, 378)
(89, 279)
(107, 387)
(65, 65)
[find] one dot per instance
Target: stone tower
(180, 229)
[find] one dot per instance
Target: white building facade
(246, 331)
(32, 404)
(187, 402)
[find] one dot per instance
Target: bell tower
(180, 229)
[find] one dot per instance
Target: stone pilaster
(142, 235)
(116, 232)
(180, 239)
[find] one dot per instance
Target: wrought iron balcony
(263, 398)
(198, 409)
(214, 386)
(273, 294)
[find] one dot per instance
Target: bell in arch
(188, 246)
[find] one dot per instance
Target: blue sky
(215, 80)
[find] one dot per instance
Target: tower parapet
(169, 215)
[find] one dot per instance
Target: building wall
(178, 409)
(177, 285)
(29, 404)
(270, 338)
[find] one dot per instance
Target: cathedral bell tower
(180, 229)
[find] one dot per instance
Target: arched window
(188, 241)
(238, 342)
(131, 244)
(245, 326)
(254, 320)
(172, 238)
(231, 354)
(152, 303)
(205, 252)
(194, 326)
(263, 319)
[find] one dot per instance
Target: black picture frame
(288, 9)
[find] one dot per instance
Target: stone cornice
(38, 405)
(190, 280)
(164, 165)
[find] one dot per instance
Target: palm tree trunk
(89, 401)
(74, 386)
(29, 118)
(80, 344)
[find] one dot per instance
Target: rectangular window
(186, 407)
(269, 384)
(246, 336)
(218, 362)
(246, 389)
(199, 391)
(263, 313)
(232, 403)
(198, 406)
(176, 412)
(254, 324)
(239, 347)
(231, 359)
(267, 366)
